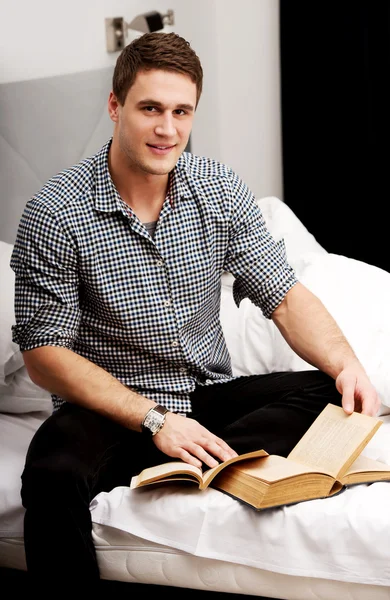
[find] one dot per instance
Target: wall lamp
(117, 28)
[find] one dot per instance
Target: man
(117, 266)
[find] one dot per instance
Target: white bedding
(327, 539)
(323, 549)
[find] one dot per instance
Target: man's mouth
(160, 149)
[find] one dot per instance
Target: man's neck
(143, 192)
(146, 203)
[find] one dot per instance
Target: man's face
(153, 126)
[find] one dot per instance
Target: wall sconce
(116, 27)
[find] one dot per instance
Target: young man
(118, 263)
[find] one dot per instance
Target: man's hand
(358, 393)
(184, 438)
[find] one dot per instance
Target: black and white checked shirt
(89, 277)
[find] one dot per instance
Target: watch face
(154, 421)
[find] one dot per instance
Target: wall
(238, 118)
(249, 91)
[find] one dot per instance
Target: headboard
(47, 125)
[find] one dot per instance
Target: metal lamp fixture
(116, 27)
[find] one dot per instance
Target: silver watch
(154, 420)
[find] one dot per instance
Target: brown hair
(167, 51)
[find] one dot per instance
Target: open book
(325, 460)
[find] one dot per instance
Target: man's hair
(166, 51)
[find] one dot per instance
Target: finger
(216, 445)
(206, 457)
(226, 448)
(219, 449)
(197, 456)
(189, 458)
(209, 436)
(348, 398)
(211, 458)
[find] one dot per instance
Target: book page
(209, 475)
(164, 471)
(273, 468)
(181, 470)
(334, 440)
(365, 469)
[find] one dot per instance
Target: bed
(170, 535)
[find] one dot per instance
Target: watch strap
(159, 408)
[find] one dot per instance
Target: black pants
(76, 454)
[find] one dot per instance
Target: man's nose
(166, 125)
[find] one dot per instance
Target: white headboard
(47, 125)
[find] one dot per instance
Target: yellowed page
(365, 469)
(164, 471)
(181, 470)
(211, 473)
(273, 468)
(334, 440)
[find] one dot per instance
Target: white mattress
(323, 549)
(153, 563)
(123, 557)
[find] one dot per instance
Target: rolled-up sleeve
(258, 263)
(46, 281)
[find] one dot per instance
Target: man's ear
(113, 107)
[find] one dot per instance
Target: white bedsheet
(328, 539)
(344, 538)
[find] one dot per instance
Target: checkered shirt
(88, 276)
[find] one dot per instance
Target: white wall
(238, 118)
(249, 91)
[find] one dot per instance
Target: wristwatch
(154, 420)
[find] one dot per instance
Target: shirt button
(159, 263)
(175, 343)
(167, 303)
(209, 381)
(183, 370)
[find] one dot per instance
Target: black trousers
(76, 454)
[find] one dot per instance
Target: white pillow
(249, 335)
(357, 294)
(282, 222)
(20, 395)
(10, 356)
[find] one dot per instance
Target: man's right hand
(186, 439)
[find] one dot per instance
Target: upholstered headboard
(47, 125)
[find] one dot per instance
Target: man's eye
(180, 111)
(149, 108)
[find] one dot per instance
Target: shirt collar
(106, 194)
